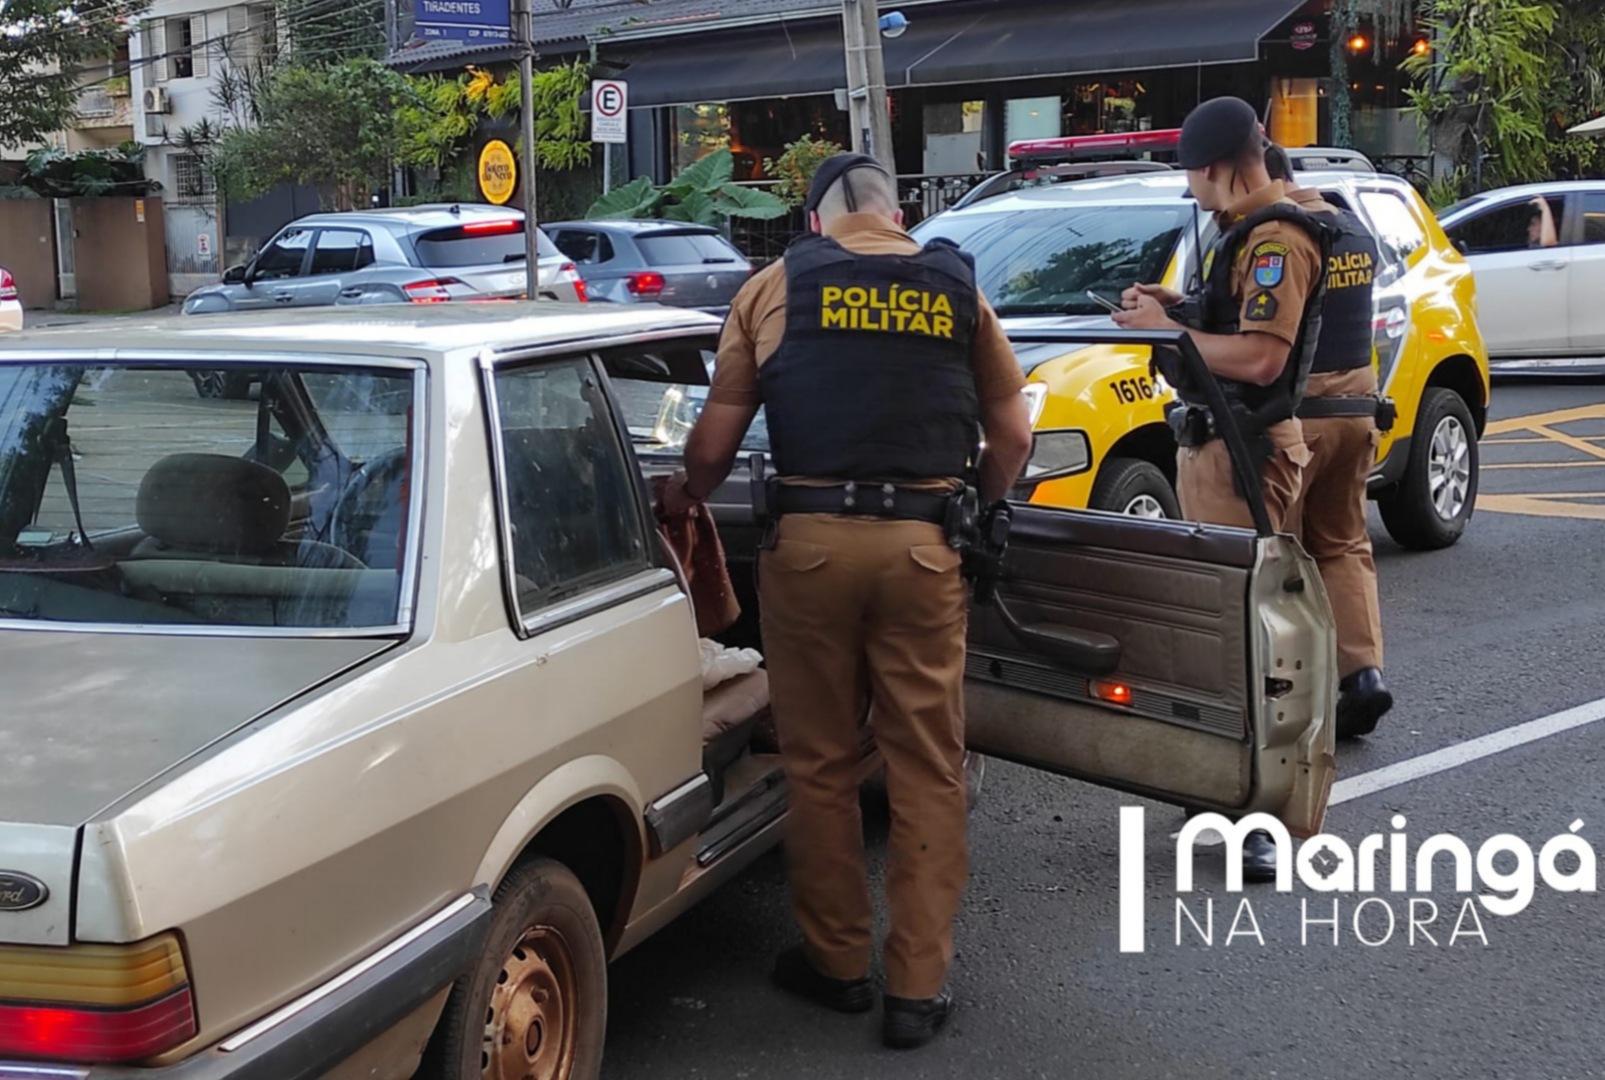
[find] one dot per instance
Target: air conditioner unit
(156, 100)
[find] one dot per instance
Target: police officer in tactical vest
(1256, 320)
(879, 365)
(1342, 415)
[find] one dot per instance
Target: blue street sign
(463, 20)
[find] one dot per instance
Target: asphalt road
(1506, 627)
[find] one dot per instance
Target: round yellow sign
(498, 172)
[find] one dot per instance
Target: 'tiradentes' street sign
(464, 20)
(610, 109)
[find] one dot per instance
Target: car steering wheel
(356, 524)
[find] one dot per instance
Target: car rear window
(153, 496)
(677, 249)
(477, 243)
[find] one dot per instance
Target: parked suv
(669, 262)
(421, 254)
(1539, 255)
(322, 764)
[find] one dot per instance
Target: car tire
(1430, 505)
(535, 1003)
(1134, 487)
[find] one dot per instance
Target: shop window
(1032, 118)
(955, 137)
(1093, 108)
(1295, 111)
(699, 130)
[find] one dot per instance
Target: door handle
(1547, 264)
(282, 297)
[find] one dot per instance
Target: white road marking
(1452, 757)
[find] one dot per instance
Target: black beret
(831, 170)
(1218, 130)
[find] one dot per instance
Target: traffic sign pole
(610, 119)
(526, 75)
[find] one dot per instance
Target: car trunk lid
(698, 266)
(90, 718)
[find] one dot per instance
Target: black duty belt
(862, 500)
(1368, 406)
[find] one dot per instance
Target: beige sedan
(353, 727)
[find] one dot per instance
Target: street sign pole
(525, 18)
(607, 167)
(610, 121)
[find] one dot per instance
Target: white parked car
(1538, 252)
(10, 302)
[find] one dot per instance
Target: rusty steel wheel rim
(532, 1023)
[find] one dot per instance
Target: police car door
(1191, 664)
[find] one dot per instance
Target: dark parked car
(667, 262)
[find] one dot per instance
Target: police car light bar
(1113, 143)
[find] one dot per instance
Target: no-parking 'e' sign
(610, 104)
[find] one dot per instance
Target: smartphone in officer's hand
(1103, 301)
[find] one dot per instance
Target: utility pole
(867, 106)
(524, 16)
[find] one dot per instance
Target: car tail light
(8, 286)
(645, 283)
(433, 291)
(571, 273)
(97, 1004)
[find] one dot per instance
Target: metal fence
(922, 195)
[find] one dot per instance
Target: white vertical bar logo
(1133, 856)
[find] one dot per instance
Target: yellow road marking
(1568, 440)
(1548, 419)
(1542, 506)
(1538, 439)
(1543, 428)
(1547, 465)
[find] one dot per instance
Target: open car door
(1189, 663)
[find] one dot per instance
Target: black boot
(1362, 699)
(794, 974)
(913, 1022)
(1259, 856)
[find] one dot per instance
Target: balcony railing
(96, 103)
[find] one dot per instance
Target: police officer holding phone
(1255, 321)
(1342, 415)
(878, 364)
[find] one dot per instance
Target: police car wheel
(1430, 506)
(534, 1006)
(1136, 488)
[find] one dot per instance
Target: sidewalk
(35, 319)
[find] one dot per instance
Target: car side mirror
(1461, 246)
(236, 275)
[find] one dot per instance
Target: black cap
(1218, 130)
(833, 169)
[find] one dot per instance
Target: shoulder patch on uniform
(1270, 263)
(1261, 308)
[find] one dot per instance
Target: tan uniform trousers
(1205, 486)
(855, 611)
(1329, 518)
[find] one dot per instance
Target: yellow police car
(1054, 255)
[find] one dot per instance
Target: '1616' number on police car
(1133, 389)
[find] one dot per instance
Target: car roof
(1152, 188)
(635, 225)
(418, 331)
(430, 215)
(1547, 187)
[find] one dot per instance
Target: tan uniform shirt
(757, 321)
(1277, 267)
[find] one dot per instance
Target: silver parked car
(421, 254)
(667, 262)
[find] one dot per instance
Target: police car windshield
(1044, 261)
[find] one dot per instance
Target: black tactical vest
(1347, 312)
(873, 380)
(1219, 309)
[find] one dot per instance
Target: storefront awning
(961, 43)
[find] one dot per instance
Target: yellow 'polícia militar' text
(893, 309)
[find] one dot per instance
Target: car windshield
(1045, 261)
(149, 496)
(660, 415)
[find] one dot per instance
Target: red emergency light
(1109, 144)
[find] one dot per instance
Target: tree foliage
(445, 112)
(45, 48)
(333, 126)
(703, 193)
(1503, 81)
